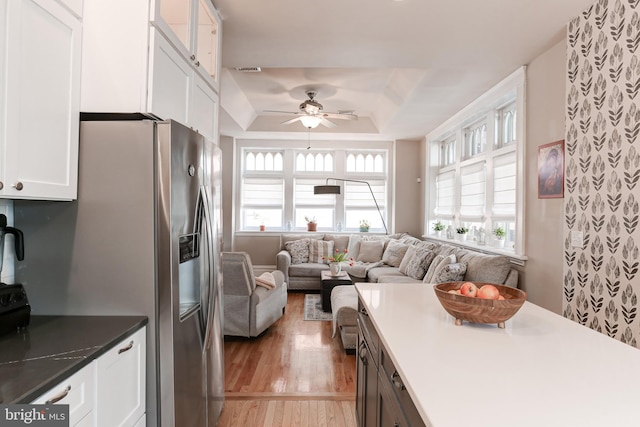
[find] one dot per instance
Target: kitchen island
(541, 370)
(52, 348)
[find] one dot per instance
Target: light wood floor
(294, 374)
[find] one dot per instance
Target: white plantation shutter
(445, 193)
(472, 190)
(504, 185)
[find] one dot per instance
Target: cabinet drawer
(77, 391)
(396, 385)
(121, 382)
(369, 332)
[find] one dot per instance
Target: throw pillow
(419, 264)
(266, 280)
(450, 273)
(319, 250)
(439, 260)
(370, 250)
(394, 253)
(408, 256)
(299, 250)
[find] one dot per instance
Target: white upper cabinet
(40, 63)
(161, 60)
(192, 26)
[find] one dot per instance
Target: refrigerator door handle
(208, 317)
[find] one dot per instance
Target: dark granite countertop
(52, 348)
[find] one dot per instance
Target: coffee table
(328, 282)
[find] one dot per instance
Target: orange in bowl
(480, 310)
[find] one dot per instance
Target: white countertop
(542, 370)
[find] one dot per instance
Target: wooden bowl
(480, 310)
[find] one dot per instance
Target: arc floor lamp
(335, 189)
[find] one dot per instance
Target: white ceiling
(403, 66)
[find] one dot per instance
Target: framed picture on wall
(551, 170)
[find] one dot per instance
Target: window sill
(515, 258)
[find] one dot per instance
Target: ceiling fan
(311, 114)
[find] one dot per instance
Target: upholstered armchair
(249, 309)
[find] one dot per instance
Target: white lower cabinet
(108, 392)
(77, 391)
(120, 383)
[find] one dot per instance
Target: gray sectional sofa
(381, 258)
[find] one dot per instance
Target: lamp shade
(326, 189)
(310, 121)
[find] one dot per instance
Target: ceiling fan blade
(340, 116)
(288, 122)
(327, 123)
(282, 112)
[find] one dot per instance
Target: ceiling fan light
(310, 122)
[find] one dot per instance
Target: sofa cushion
(453, 272)
(340, 241)
(354, 246)
(419, 264)
(394, 253)
(307, 269)
(486, 268)
(409, 254)
(299, 250)
(370, 250)
(375, 273)
(319, 250)
(397, 279)
(438, 261)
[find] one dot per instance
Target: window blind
(472, 190)
(504, 185)
(445, 193)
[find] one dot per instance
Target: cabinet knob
(18, 186)
(193, 57)
(1, 185)
(197, 63)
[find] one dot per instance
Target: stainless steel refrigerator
(143, 237)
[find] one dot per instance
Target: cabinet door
(170, 82)
(366, 386)
(207, 41)
(193, 27)
(203, 114)
(120, 382)
(76, 391)
(42, 104)
(389, 412)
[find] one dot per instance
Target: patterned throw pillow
(394, 253)
(319, 249)
(299, 250)
(408, 256)
(438, 262)
(419, 264)
(450, 273)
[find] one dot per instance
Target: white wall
(542, 279)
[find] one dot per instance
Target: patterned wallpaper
(602, 187)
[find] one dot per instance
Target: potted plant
(335, 261)
(462, 233)
(364, 225)
(500, 236)
(263, 227)
(438, 227)
(312, 224)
